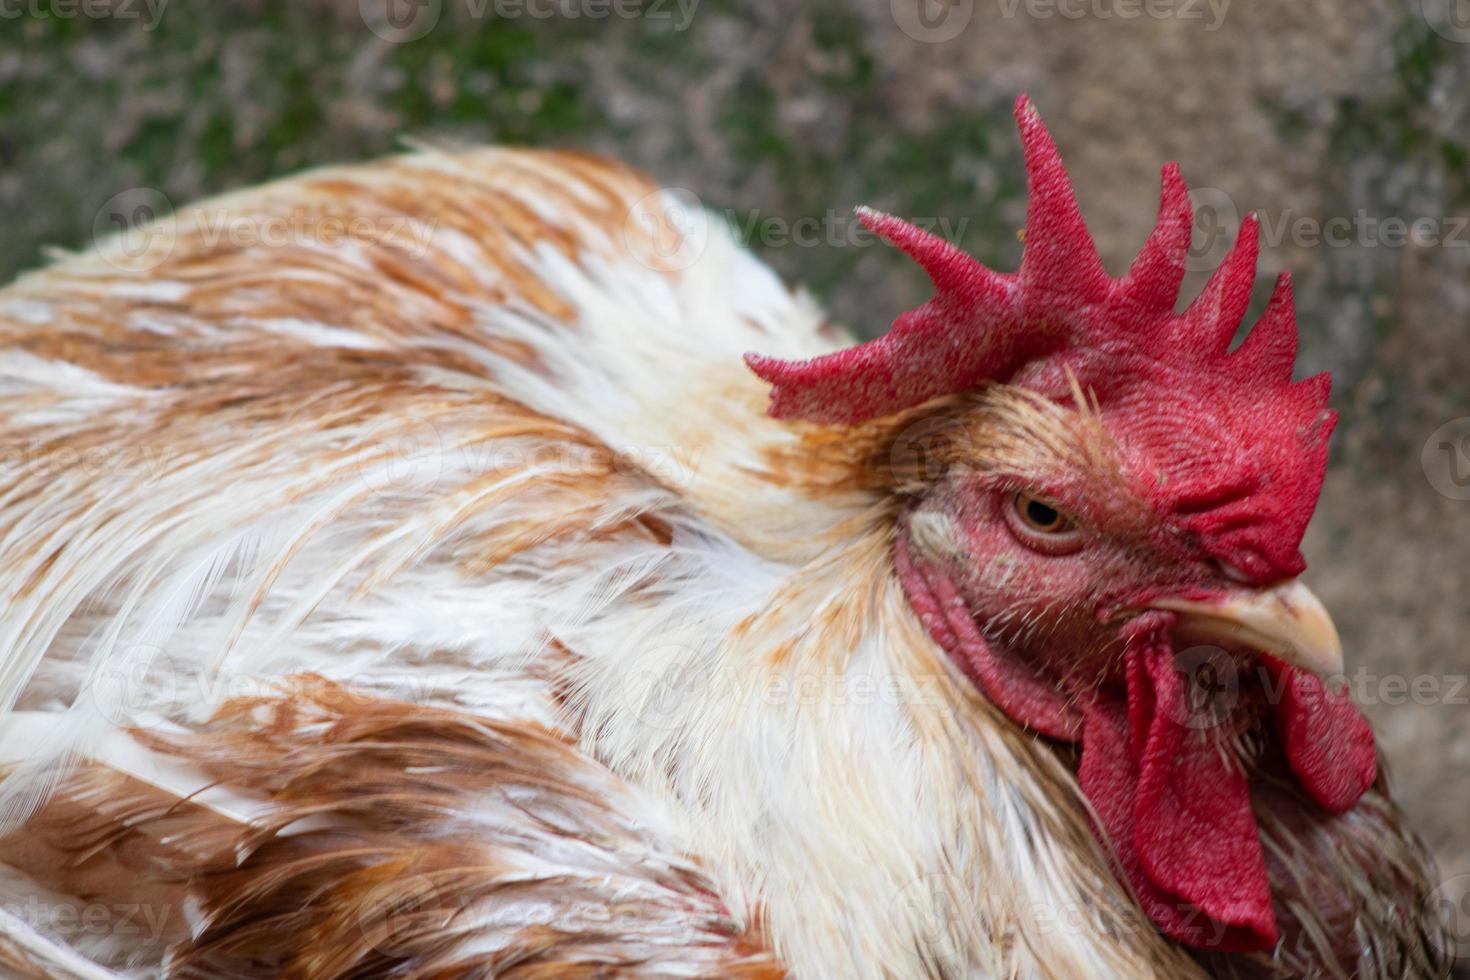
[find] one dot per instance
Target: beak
(1286, 621)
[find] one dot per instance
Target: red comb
(983, 325)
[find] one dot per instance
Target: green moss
(1394, 118)
(221, 95)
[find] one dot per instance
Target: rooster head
(1110, 548)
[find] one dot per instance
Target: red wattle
(1194, 829)
(1177, 812)
(1327, 741)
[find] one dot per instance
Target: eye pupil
(1041, 515)
(1041, 526)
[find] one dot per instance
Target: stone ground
(1339, 123)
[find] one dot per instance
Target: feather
(439, 597)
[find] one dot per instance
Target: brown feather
(371, 861)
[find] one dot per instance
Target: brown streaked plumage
(439, 601)
(359, 869)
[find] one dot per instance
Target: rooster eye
(1040, 525)
(1041, 516)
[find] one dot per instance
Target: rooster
(503, 574)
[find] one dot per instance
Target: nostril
(1234, 574)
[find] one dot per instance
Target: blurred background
(1345, 125)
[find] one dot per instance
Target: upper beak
(1286, 621)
